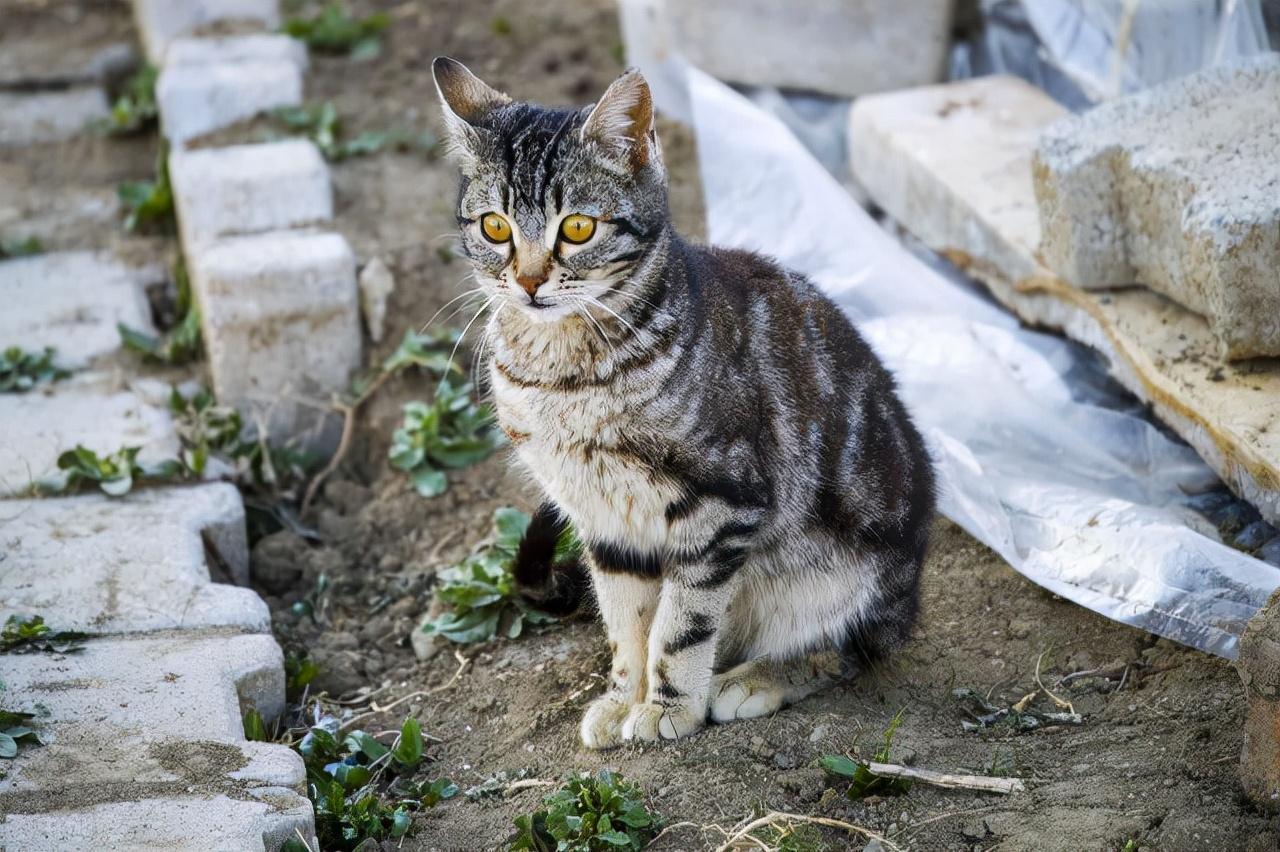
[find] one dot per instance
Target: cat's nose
(531, 281)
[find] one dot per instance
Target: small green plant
(255, 729)
(180, 344)
(20, 247)
(321, 124)
(149, 202)
(862, 781)
(450, 432)
(430, 351)
(20, 370)
(334, 31)
(114, 473)
(299, 671)
(500, 26)
(588, 814)
(15, 732)
(28, 634)
(789, 837)
(135, 109)
(363, 789)
(481, 592)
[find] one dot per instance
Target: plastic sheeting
(1033, 456)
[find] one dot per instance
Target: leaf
(510, 525)
(352, 776)
(254, 728)
(400, 822)
(8, 746)
(408, 752)
(366, 745)
(429, 482)
(839, 765)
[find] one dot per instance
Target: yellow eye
(495, 228)
(577, 228)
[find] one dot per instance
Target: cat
(753, 498)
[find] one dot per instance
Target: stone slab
(1177, 188)
(840, 47)
(92, 409)
(139, 563)
(952, 163)
(73, 301)
(281, 326)
(258, 47)
(199, 99)
(39, 117)
(1259, 668)
(246, 189)
(161, 21)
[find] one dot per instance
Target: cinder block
(841, 47)
(198, 99)
(73, 302)
(161, 21)
(89, 409)
(281, 326)
(39, 117)
(1259, 668)
(228, 50)
(246, 189)
(1175, 188)
(81, 563)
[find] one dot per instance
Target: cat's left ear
(622, 121)
(467, 101)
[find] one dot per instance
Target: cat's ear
(467, 101)
(622, 120)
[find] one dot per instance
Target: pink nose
(531, 283)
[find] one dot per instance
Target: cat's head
(557, 206)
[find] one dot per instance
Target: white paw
(741, 696)
(649, 722)
(602, 723)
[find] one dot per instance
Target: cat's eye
(495, 228)
(577, 228)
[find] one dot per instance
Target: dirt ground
(1153, 762)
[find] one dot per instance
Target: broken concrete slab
(281, 326)
(92, 409)
(953, 164)
(160, 22)
(198, 99)
(848, 48)
(73, 301)
(376, 286)
(39, 117)
(260, 47)
(1259, 668)
(246, 189)
(82, 563)
(1175, 188)
(27, 66)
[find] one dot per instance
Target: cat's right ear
(467, 101)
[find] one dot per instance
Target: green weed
(324, 127)
(135, 109)
(588, 814)
(16, 731)
(180, 344)
(449, 433)
(28, 634)
(149, 202)
(114, 473)
(480, 591)
(334, 31)
(20, 370)
(862, 781)
(20, 247)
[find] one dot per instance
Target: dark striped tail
(553, 587)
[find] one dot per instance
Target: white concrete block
(161, 21)
(39, 117)
(89, 409)
(198, 99)
(840, 47)
(1176, 188)
(129, 565)
(217, 823)
(952, 163)
(281, 324)
(259, 47)
(245, 189)
(73, 302)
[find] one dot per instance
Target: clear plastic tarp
(1038, 455)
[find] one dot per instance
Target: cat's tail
(557, 588)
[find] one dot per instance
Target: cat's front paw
(602, 723)
(649, 722)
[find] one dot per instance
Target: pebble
(819, 733)
(784, 760)
(1255, 535)
(1270, 552)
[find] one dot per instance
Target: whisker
(465, 329)
(473, 291)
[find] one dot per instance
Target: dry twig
(743, 834)
(982, 783)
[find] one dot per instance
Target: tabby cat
(754, 499)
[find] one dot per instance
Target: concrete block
(840, 47)
(73, 301)
(1259, 668)
(245, 189)
(281, 325)
(229, 50)
(161, 21)
(1175, 188)
(376, 286)
(90, 409)
(40, 117)
(198, 99)
(81, 562)
(952, 163)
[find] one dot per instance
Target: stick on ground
(983, 783)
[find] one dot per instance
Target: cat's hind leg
(764, 685)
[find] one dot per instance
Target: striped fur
(754, 497)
